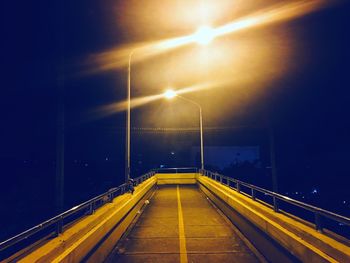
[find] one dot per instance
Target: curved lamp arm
(200, 125)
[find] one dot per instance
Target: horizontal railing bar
(172, 168)
(308, 207)
(59, 218)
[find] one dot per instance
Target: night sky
(292, 76)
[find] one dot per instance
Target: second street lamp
(170, 94)
(202, 36)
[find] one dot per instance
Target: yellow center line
(182, 238)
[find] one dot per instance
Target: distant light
(86, 165)
(106, 159)
(172, 153)
(169, 94)
(204, 35)
(314, 191)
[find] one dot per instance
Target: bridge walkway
(181, 225)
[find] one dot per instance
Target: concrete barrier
(176, 178)
(299, 239)
(92, 238)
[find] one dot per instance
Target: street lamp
(204, 35)
(170, 94)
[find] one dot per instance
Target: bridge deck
(180, 225)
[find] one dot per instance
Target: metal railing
(177, 170)
(237, 185)
(59, 222)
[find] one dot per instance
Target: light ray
(116, 107)
(117, 58)
(277, 13)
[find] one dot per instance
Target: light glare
(169, 94)
(117, 58)
(204, 35)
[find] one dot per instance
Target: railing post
(91, 208)
(59, 226)
(238, 186)
(220, 179)
(275, 204)
(318, 222)
(253, 194)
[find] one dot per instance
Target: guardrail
(319, 213)
(177, 170)
(56, 224)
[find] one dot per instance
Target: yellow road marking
(182, 238)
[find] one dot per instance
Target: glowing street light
(170, 94)
(204, 35)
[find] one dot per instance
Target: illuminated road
(180, 225)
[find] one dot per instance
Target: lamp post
(169, 94)
(127, 126)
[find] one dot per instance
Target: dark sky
(308, 104)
